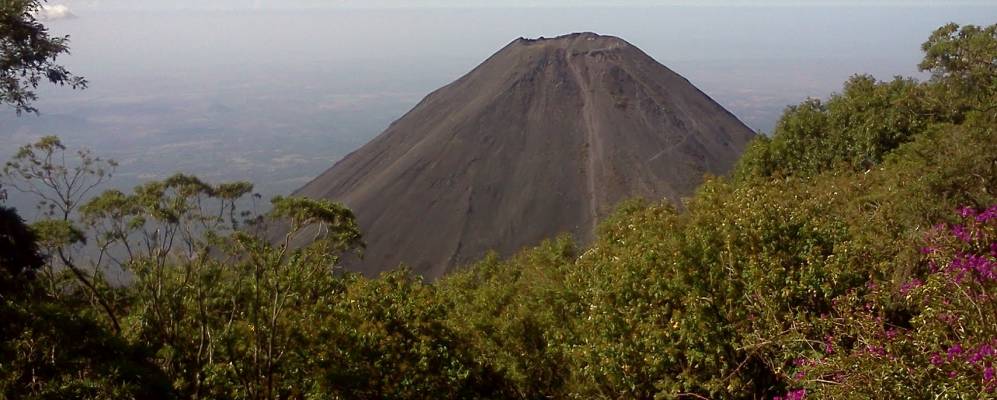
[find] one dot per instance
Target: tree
(48, 348)
(869, 119)
(28, 56)
(19, 254)
(963, 61)
(60, 183)
(59, 180)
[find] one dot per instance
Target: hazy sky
(176, 4)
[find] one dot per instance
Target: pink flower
(799, 394)
(980, 266)
(913, 284)
(876, 350)
(966, 212)
(954, 351)
(960, 232)
(980, 354)
(936, 359)
(989, 214)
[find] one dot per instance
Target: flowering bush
(930, 337)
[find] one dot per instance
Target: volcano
(545, 137)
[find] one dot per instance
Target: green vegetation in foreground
(853, 254)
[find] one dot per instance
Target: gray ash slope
(544, 137)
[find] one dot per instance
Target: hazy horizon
(238, 90)
(394, 4)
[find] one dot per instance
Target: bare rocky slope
(544, 137)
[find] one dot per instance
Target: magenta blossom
(954, 351)
(936, 359)
(876, 350)
(983, 267)
(913, 284)
(989, 214)
(961, 233)
(967, 212)
(986, 351)
(799, 394)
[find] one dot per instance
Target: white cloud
(52, 12)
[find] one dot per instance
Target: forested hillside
(852, 254)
